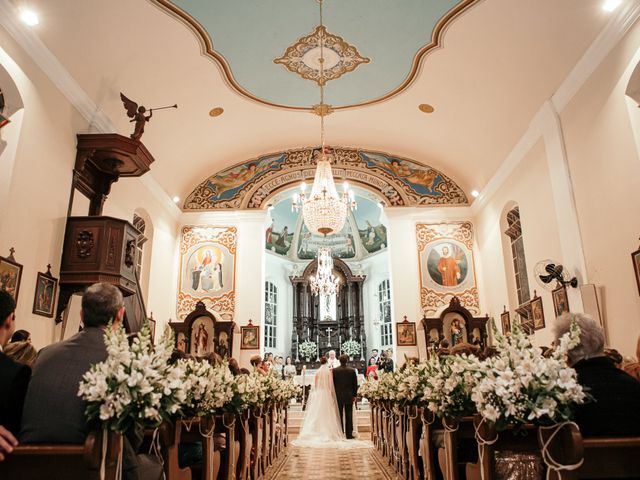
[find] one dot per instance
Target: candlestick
(318, 345)
(297, 348)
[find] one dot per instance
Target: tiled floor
(304, 463)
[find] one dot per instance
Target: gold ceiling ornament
(324, 211)
(426, 108)
(305, 59)
(216, 112)
(322, 109)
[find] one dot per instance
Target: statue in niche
(456, 332)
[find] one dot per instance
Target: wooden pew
(170, 436)
(62, 461)
(454, 430)
(414, 432)
(611, 457)
(226, 424)
(256, 427)
(430, 425)
(244, 437)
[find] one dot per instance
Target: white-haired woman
(615, 408)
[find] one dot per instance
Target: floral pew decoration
(522, 389)
(135, 387)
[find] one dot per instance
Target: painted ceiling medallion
(304, 57)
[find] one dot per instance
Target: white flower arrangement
(350, 347)
(308, 349)
(369, 389)
(449, 384)
(209, 389)
(249, 391)
(135, 384)
(522, 386)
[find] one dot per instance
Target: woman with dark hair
(20, 336)
(234, 368)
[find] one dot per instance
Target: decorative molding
(399, 181)
(207, 49)
(342, 56)
(52, 67)
(71, 89)
(606, 41)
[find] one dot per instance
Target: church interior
(296, 180)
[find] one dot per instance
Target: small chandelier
(324, 282)
(324, 211)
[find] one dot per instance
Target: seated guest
(614, 410)
(53, 411)
(14, 377)
(22, 352)
(257, 364)
(234, 368)
(20, 336)
(444, 347)
(615, 356)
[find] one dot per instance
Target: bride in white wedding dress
(321, 426)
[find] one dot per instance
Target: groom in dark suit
(345, 382)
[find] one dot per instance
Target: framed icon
(250, 337)
(45, 295)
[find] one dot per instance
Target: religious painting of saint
(222, 345)
(279, 235)
(447, 264)
(45, 295)
(406, 334)
(201, 336)
(10, 275)
(560, 300)
(208, 270)
(250, 337)
(505, 319)
(537, 313)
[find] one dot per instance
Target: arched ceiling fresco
(399, 181)
(270, 50)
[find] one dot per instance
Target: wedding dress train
(321, 426)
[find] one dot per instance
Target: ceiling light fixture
(324, 211)
(29, 17)
(611, 5)
(426, 108)
(176, 199)
(216, 112)
(475, 193)
(324, 282)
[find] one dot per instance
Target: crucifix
(329, 337)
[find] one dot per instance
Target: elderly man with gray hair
(615, 409)
(53, 412)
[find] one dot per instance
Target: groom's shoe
(350, 438)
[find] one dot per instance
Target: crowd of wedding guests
(30, 380)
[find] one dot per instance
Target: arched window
(384, 309)
(141, 226)
(270, 314)
(514, 232)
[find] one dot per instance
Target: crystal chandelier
(324, 282)
(324, 211)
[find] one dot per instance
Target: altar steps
(296, 415)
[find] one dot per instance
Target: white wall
(35, 203)
(529, 187)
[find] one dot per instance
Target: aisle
(326, 463)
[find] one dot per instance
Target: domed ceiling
(270, 52)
